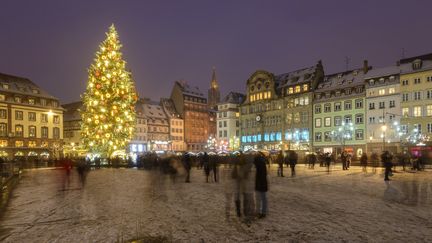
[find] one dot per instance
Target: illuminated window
(417, 111)
(318, 122)
(327, 121)
(305, 87)
(3, 113)
(269, 94)
(2, 97)
(31, 101)
(297, 88)
(32, 144)
(391, 90)
(290, 90)
(44, 117)
(3, 143)
(19, 130)
(32, 131)
(44, 132)
(429, 110)
(265, 95)
(260, 96)
(19, 143)
(44, 144)
(405, 111)
(381, 91)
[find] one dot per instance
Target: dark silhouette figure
(187, 165)
(386, 159)
(205, 162)
(327, 160)
(280, 162)
(344, 158)
(261, 185)
(363, 162)
(292, 160)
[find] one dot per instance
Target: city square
(215, 121)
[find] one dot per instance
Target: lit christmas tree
(108, 113)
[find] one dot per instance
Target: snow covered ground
(123, 204)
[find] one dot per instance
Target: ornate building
(176, 126)
(158, 127)
(191, 104)
(213, 92)
(31, 120)
(277, 111)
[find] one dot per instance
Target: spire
(213, 92)
(214, 83)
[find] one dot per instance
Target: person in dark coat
(292, 160)
(280, 162)
(327, 160)
(205, 162)
(363, 161)
(261, 185)
(344, 158)
(386, 159)
(187, 165)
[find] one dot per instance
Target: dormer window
(340, 75)
(417, 64)
(348, 91)
(355, 73)
(371, 82)
(297, 89)
(392, 77)
(381, 80)
(35, 91)
(259, 86)
(305, 87)
(337, 93)
(290, 90)
(31, 101)
(267, 85)
(17, 99)
(43, 102)
(5, 86)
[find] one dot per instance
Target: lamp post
(383, 135)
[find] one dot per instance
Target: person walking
(386, 159)
(327, 160)
(205, 163)
(280, 162)
(363, 162)
(261, 185)
(292, 160)
(187, 165)
(312, 160)
(344, 160)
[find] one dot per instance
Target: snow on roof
(22, 86)
(383, 71)
(191, 90)
(408, 67)
(296, 77)
(71, 112)
(346, 79)
(169, 107)
(153, 109)
(234, 98)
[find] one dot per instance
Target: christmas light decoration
(109, 88)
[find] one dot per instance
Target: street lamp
(384, 129)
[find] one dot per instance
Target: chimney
(365, 66)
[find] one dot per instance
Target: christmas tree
(108, 112)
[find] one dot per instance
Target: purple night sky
(53, 42)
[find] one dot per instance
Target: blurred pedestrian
(205, 162)
(363, 162)
(327, 160)
(280, 162)
(261, 185)
(187, 165)
(292, 160)
(386, 159)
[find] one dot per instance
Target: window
(54, 103)
(44, 132)
(32, 116)
(220, 134)
(318, 136)
(3, 113)
(5, 86)
(347, 105)
(429, 110)
(225, 124)
(416, 80)
(417, 95)
(3, 130)
(337, 120)
(405, 97)
(296, 117)
(44, 117)
(359, 134)
(289, 118)
(32, 144)
(417, 111)
(3, 143)
(381, 91)
(391, 90)
(318, 122)
(348, 119)
(31, 101)
(429, 127)
(429, 79)
(304, 117)
(359, 104)
(404, 82)
(327, 107)
(392, 104)
(305, 87)
(381, 104)
(371, 106)
(290, 90)
(19, 131)
(348, 91)
(43, 102)
(220, 124)
(32, 131)
(371, 120)
(337, 106)
(17, 99)
(19, 143)
(418, 127)
(2, 97)
(297, 88)
(225, 133)
(327, 136)
(317, 109)
(429, 94)
(327, 121)
(18, 115)
(359, 118)
(405, 111)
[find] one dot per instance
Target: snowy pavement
(122, 204)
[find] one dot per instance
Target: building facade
(339, 113)
(139, 143)
(383, 109)
(191, 104)
(72, 146)
(176, 126)
(228, 122)
(158, 127)
(416, 92)
(277, 112)
(31, 120)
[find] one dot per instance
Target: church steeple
(213, 92)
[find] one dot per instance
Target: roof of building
(296, 77)
(408, 67)
(342, 80)
(153, 109)
(421, 57)
(22, 86)
(190, 90)
(169, 107)
(383, 71)
(71, 112)
(234, 98)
